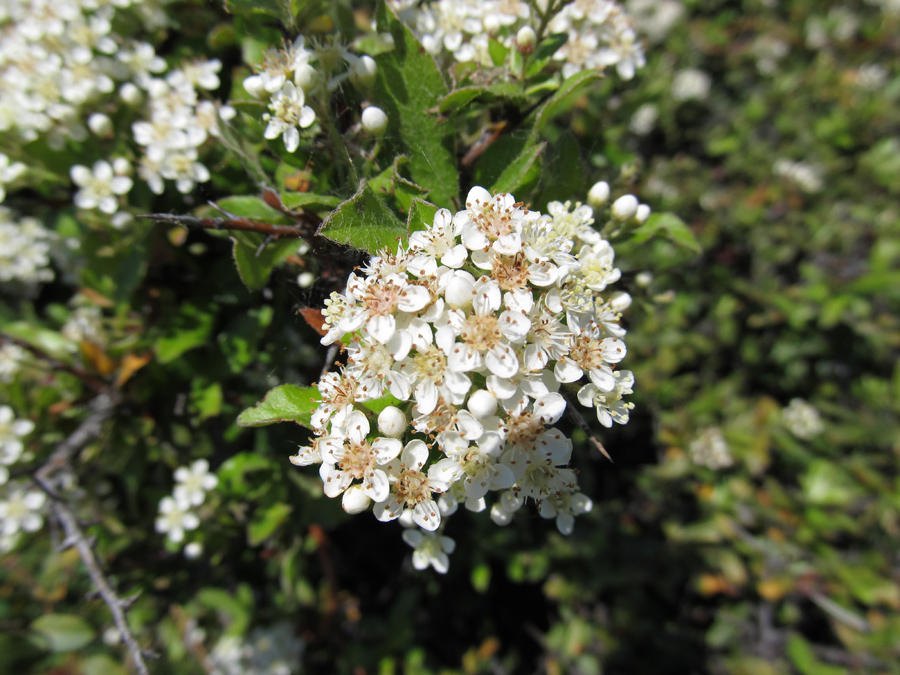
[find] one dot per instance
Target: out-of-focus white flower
(24, 249)
(9, 171)
(644, 119)
(21, 509)
(655, 18)
(802, 419)
(806, 176)
(12, 430)
(100, 186)
(710, 449)
(267, 650)
(11, 358)
(174, 518)
(194, 482)
(430, 549)
(691, 84)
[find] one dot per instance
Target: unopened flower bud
(643, 279)
(598, 195)
(362, 73)
(526, 39)
(392, 422)
(625, 207)
(374, 121)
(306, 77)
(100, 125)
(620, 301)
(482, 404)
(643, 212)
(130, 94)
(306, 279)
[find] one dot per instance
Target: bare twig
(117, 605)
(239, 224)
(582, 424)
(101, 409)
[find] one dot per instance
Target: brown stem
(91, 381)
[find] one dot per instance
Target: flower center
(588, 353)
(510, 272)
(358, 460)
(482, 332)
(381, 298)
(430, 364)
(412, 488)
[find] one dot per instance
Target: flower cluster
(11, 432)
(24, 249)
(21, 510)
(710, 449)
(599, 32)
(175, 514)
(272, 650)
(291, 76)
(802, 419)
(178, 120)
(473, 330)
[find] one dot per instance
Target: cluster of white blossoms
(599, 32)
(57, 60)
(473, 329)
(9, 172)
(290, 77)
(272, 650)
(807, 177)
(178, 120)
(175, 511)
(710, 449)
(691, 84)
(12, 356)
(802, 419)
(24, 249)
(22, 508)
(12, 431)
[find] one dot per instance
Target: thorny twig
(576, 416)
(101, 409)
(239, 224)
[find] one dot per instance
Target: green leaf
(421, 215)
(254, 208)
(364, 222)
(287, 403)
(190, 329)
(206, 399)
(394, 187)
(64, 632)
(459, 99)
(826, 484)
(280, 9)
(408, 85)
(563, 173)
(524, 170)
(669, 225)
(544, 52)
(225, 603)
(307, 200)
(264, 525)
(804, 659)
(101, 664)
(255, 258)
(559, 102)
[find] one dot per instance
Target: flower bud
(482, 404)
(100, 125)
(526, 39)
(392, 422)
(362, 73)
(643, 212)
(620, 301)
(625, 207)
(306, 279)
(598, 195)
(306, 77)
(130, 94)
(643, 279)
(374, 121)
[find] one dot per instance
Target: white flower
(802, 419)
(99, 187)
(710, 449)
(11, 357)
(288, 114)
(20, 509)
(691, 84)
(11, 431)
(430, 549)
(412, 488)
(8, 173)
(174, 518)
(194, 482)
